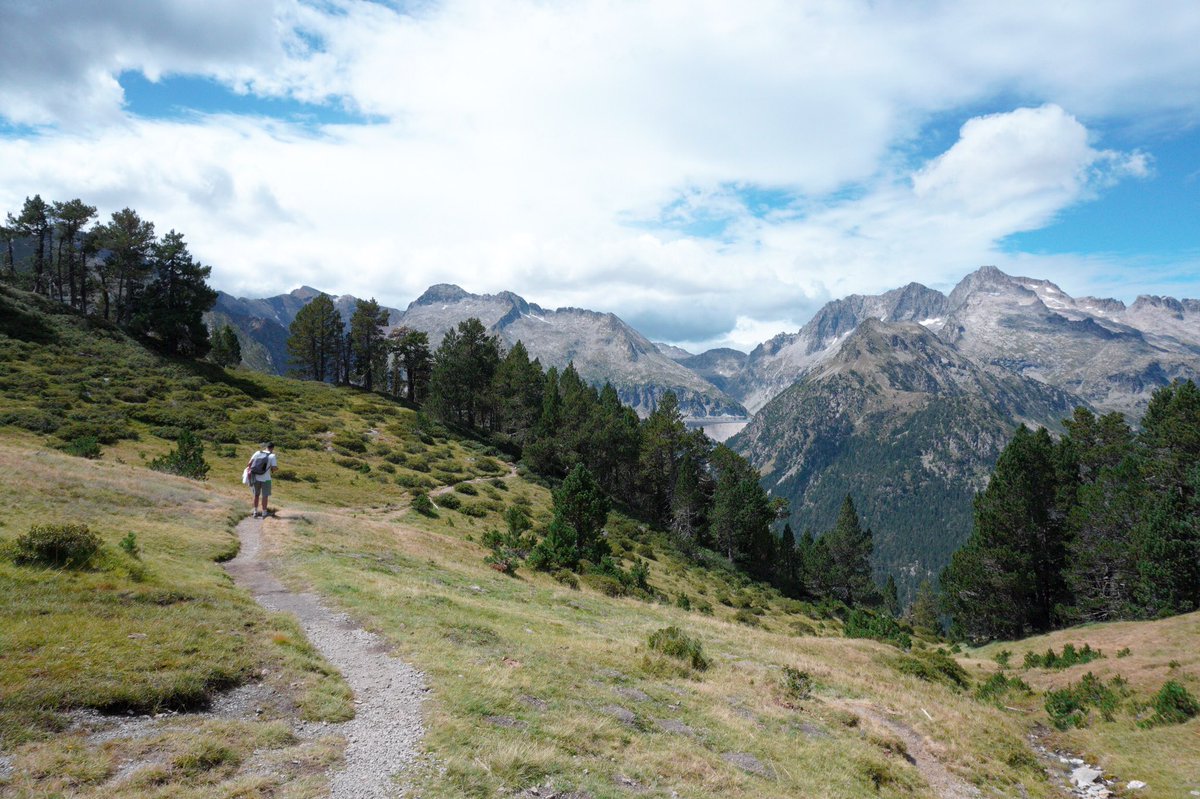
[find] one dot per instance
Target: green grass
(532, 679)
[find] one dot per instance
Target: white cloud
(518, 138)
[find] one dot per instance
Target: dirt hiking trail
(383, 737)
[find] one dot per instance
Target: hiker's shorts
(262, 489)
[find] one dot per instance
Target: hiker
(258, 475)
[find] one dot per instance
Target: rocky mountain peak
(1176, 308)
(305, 293)
(985, 280)
(441, 293)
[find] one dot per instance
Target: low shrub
(567, 578)
(1172, 705)
(878, 626)
(30, 419)
(186, 460)
(449, 501)
(423, 505)
(605, 584)
(467, 488)
(70, 546)
(83, 447)
(1069, 707)
(129, 545)
(1070, 657)
(934, 667)
(997, 687)
(747, 617)
(797, 684)
(675, 643)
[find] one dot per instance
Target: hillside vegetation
(702, 684)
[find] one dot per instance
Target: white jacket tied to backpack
(259, 468)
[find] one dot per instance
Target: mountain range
(902, 399)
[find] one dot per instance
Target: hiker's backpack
(259, 463)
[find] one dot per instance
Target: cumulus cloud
(597, 153)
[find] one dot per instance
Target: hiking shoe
(257, 514)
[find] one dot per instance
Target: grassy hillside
(532, 680)
(1143, 656)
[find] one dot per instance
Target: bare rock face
(776, 364)
(1112, 356)
(601, 345)
(909, 425)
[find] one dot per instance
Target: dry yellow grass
(1165, 757)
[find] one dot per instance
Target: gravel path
(943, 783)
(383, 736)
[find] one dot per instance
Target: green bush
(1172, 705)
(747, 617)
(423, 505)
(567, 578)
(605, 584)
(129, 545)
(878, 626)
(934, 667)
(995, 688)
(449, 501)
(797, 684)
(467, 488)
(34, 421)
(675, 643)
(350, 441)
(1069, 707)
(69, 546)
(186, 460)
(83, 447)
(1070, 657)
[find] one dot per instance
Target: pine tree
(543, 454)
(70, 219)
(315, 340)
(787, 573)
(171, 310)
(891, 597)
(368, 345)
(662, 445)
(580, 511)
(742, 514)
(924, 610)
(518, 386)
(850, 547)
(34, 222)
(226, 348)
(1007, 580)
(412, 363)
(130, 242)
(460, 389)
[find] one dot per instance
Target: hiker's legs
(266, 494)
(256, 487)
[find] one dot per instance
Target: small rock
(632, 694)
(136, 636)
(1084, 776)
(748, 762)
(672, 725)
(505, 721)
(534, 702)
(1137, 785)
(619, 713)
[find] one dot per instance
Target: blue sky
(711, 172)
